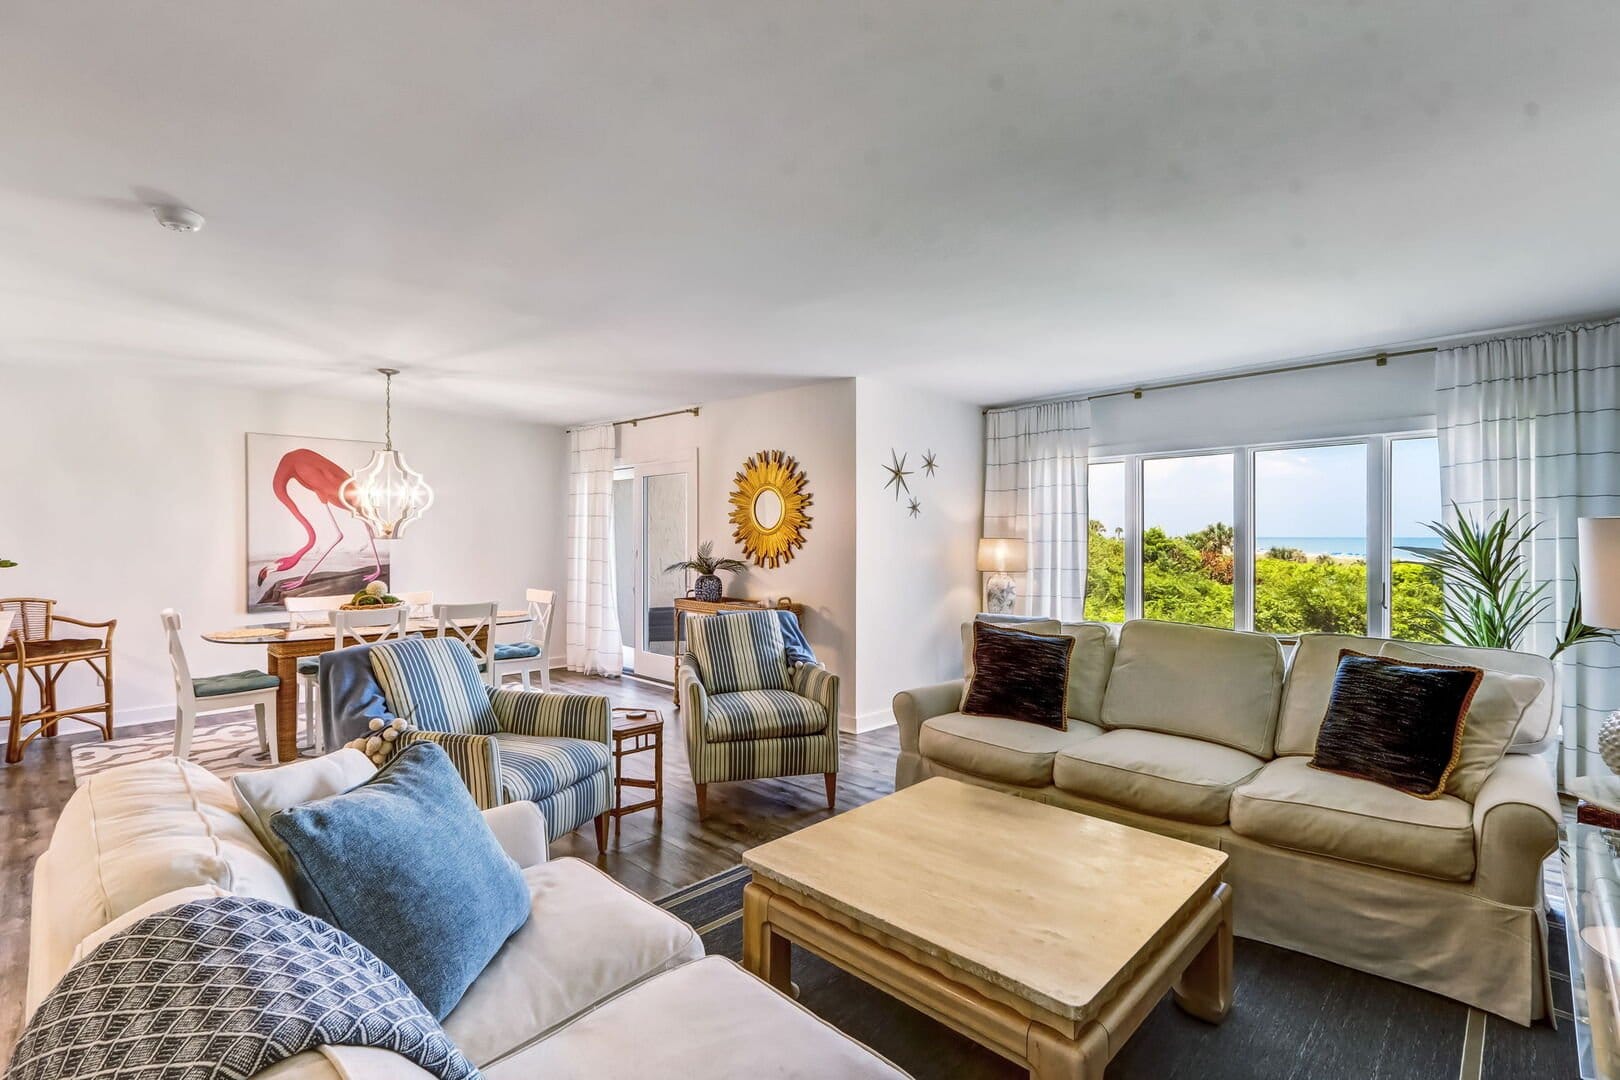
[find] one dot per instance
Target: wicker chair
(41, 646)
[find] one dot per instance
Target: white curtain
(1531, 425)
(594, 645)
(1035, 489)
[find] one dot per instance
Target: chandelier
(387, 494)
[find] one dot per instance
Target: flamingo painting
(299, 474)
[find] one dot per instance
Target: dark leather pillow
(1396, 722)
(1019, 676)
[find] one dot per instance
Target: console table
(686, 605)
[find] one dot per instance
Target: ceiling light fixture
(178, 219)
(387, 494)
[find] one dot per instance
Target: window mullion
(1378, 537)
(1133, 537)
(1243, 539)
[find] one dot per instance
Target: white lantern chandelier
(387, 494)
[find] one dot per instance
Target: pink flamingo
(324, 479)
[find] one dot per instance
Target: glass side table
(1591, 859)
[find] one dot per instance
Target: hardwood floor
(652, 858)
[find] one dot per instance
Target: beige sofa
(598, 983)
(1205, 734)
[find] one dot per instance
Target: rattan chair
(39, 647)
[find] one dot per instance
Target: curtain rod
(634, 420)
(1382, 357)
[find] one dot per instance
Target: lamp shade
(1003, 554)
(1599, 540)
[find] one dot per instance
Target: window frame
(1380, 542)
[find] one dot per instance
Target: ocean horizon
(1345, 546)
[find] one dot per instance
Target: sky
(1315, 491)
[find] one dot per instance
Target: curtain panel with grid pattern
(1035, 490)
(594, 644)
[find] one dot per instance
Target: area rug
(1293, 1018)
(224, 749)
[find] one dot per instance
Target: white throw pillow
(264, 792)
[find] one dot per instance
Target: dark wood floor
(652, 858)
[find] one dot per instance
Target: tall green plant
(1489, 601)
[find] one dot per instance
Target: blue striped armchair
(747, 715)
(508, 745)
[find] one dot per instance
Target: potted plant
(705, 566)
(4, 563)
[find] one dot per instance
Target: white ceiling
(587, 210)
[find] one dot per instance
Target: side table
(637, 731)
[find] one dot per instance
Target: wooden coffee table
(1042, 934)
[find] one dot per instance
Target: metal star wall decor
(914, 507)
(897, 475)
(929, 464)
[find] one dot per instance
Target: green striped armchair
(508, 745)
(747, 716)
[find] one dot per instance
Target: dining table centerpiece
(373, 596)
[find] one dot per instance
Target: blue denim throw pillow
(406, 865)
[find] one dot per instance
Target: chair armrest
(476, 757)
(819, 685)
(110, 625)
(912, 707)
(557, 716)
(520, 828)
(1516, 817)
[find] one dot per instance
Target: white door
(665, 532)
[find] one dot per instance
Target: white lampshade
(1599, 540)
(1003, 555)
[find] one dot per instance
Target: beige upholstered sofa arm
(520, 829)
(912, 707)
(476, 757)
(1515, 828)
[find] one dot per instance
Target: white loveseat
(598, 983)
(1204, 735)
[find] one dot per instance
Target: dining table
(285, 643)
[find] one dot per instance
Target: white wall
(915, 576)
(123, 496)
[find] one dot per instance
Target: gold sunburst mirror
(768, 508)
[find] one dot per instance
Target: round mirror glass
(768, 509)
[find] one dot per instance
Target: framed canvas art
(302, 538)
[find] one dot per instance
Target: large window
(1414, 502)
(1310, 540)
(1105, 554)
(1187, 555)
(1284, 540)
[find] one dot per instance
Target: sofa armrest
(557, 716)
(912, 707)
(1516, 819)
(476, 757)
(520, 828)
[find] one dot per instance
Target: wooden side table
(686, 605)
(637, 731)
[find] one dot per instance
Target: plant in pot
(706, 567)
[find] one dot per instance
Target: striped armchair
(508, 745)
(747, 716)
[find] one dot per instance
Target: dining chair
(311, 611)
(196, 697)
(393, 623)
(420, 603)
(481, 617)
(529, 655)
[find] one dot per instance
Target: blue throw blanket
(798, 648)
(225, 987)
(350, 695)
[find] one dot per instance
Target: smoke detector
(178, 219)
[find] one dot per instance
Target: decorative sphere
(373, 744)
(390, 734)
(1609, 741)
(399, 723)
(379, 759)
(376, 724)
(377, 588)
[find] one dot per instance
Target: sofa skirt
(1438, 935)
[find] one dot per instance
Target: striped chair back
(434, 683)
(739, 650)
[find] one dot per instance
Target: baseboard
(142, 714)
(867, 721)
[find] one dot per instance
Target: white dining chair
(465, 622)
(217, 693)
(393, 623)
(305, 611)
(521, 658)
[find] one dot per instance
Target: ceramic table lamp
(1599, 540)
(1001, 557)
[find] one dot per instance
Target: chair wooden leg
(601, 833)
(183, 724)
(265, 717)
(702, 800)
(832, 789)
(14, 737)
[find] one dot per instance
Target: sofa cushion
(762, 714)
(1089, 664)
(1221, 686)
(587, 938)
(536, 767)
(1309, 685)
(1165, 775)
(997, 749)
(709, 1018)
(1291, 805)
(434, 684)
(1019, 676)
(739, 650)
(516, 650)
(261, 793)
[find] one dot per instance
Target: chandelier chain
(388, 410)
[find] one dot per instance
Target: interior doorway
(655, 526)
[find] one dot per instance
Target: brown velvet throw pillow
(1396, 722)
(1019, 676)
